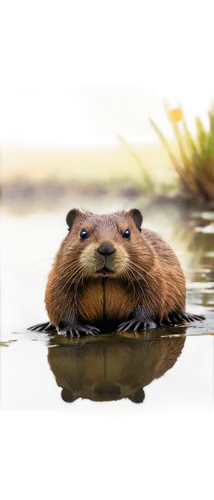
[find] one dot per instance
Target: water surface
(169, 369)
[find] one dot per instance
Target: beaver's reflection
(110, 368)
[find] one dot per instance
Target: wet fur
(152, 282)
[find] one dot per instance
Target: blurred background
(106, 136)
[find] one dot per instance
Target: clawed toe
(196, 317)
(65, 332)
(181, 317)
(42, 327)
(175, 318)
(76, 331)
(124, 327)
(91, 330)
(135, 325)
(69, 332)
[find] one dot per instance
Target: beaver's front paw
(181, 317)
(136, 325)
(76, 329)
(43, 327)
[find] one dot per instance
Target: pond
(168, 369)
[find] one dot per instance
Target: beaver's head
(109, 245)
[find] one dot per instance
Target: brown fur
(145, 272)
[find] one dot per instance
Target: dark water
(167, 369)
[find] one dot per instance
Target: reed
(194, 162)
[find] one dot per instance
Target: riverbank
(85, 164)
(41, 178)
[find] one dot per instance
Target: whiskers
(138, 271)
(38, 262)
(130, 281)
(38, 276)
(70, 274)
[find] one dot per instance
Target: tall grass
(195, 162)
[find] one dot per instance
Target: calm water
(39, 371)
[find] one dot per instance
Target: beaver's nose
(106, 249)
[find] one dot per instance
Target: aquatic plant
(195, 162)
(146, 181)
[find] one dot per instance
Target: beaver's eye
(127, 234)
(83, 234)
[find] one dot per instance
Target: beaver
(110, 273)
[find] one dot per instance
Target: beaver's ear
(138, 396)
(137, 217)
(71, 216)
